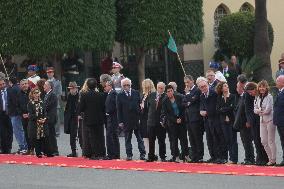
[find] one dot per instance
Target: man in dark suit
(253, 122)
(278, 118)
(50, 111)
(92, 106)
(240, 122)
(193, 119)
(214, 134)
(173, 116)
(128, 111)
(6, 131)
(112, 140)
(155, 129)
(230, 73)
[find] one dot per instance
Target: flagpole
(178, 56)
(4, 66)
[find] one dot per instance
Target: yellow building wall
(274, 10)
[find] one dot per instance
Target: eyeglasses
(202, 86)
(126, 85)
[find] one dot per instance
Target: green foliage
(249, 66)
(145, 23)
(55, 26)
(236, 34)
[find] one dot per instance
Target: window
(220, 12)
(246, 7)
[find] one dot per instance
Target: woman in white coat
(263, 106)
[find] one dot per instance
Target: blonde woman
(147, 88)
(37, 128)
(263, 106)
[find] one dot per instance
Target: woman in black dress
(147, 88)
(37, 129)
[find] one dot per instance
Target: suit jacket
(240, 114)
(110, 103)
(154, 109)
(278, 118)
(13, 100)
(191, 103)
(252, 118)
(23, 99)
(213, 85)
(209, 104)
(231, 76)
(71, 112)
(266, 106)
(128, 109)
(92, 106)
(50, 108)
(168, 114)
(226, 109)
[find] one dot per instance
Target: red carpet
(203, 168)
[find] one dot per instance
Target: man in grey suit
(128, 111)
(57, 90)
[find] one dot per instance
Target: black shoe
(129, 158)
(107, 158)
(93, 157)
(173, 159)
(150, 160)
(39, 155)
(142, 157)
(156, 158)
(115, 157)
(211, 160)
(73, 154)
(49, 155)
(199, 161)
(260, 163)
(164, 160)
(247, 163)
(221, 161)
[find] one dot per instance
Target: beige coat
(266, 110)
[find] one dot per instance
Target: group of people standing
(29, 110)
(221, 104)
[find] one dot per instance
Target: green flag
(172, 44)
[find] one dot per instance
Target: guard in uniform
(117, 76)
(33, 78)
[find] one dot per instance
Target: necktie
(128, 94)
(157, 101)
(3, 100)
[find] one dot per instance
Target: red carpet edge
(200, 168)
